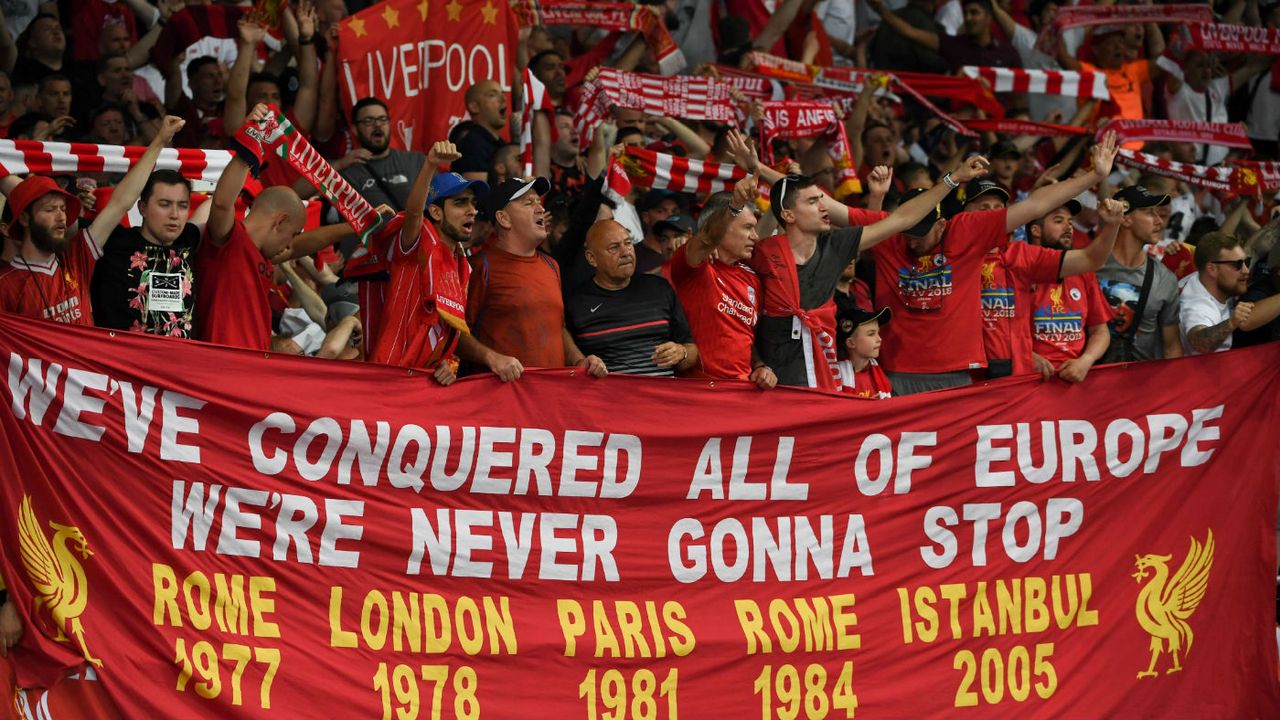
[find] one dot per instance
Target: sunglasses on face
(1239, 264)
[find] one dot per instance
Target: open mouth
(467, 227)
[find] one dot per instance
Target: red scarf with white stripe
(535, 99)
(21, 157)
(660, 171)
(1214, 178)
(682, 96)
(1086, 15)
(791, 119)
(1025, 127)
(1064, 83)
(774, 262)
(1227, 134)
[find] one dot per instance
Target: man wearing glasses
(382, 174)
(1211, 310)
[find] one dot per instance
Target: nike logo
(596, 307)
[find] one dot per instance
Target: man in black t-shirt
(633, 323)
(144, 281)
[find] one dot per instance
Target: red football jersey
(58, 290)
(425, 308)
(936, 299)
(1007, 278)
(1062, 314)
(720, 301)
(233, 281)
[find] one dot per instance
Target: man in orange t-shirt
(1129, 81)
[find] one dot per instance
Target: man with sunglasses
(382, 174)
(1210, 308)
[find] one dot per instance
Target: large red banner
(225, 533)
(420, 56)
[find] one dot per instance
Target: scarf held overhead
(792, 119)
(1064, 83)
(1231, 135)
(1083, 16)
(660, 171)
(20, 157)
(683, 96)
(616, 16)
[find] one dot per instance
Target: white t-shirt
(1040, 105)
(1199, 308)
(1264, 114)
(1187, 104)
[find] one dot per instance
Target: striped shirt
(622, 327)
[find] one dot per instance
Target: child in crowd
(858, 335)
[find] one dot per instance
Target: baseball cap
(1073, 207)
(1004, 149)
(977, 188)
(848, 320)
(446, 185)
(923, 227)
(1136, 197)
(681, 223)
(32, 189)
(513, 189)
(654, 198)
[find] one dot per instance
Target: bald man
(487, 105)
(233, 268)
(628, 323)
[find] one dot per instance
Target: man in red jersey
(720, 293)
(49, 276)
(233, 268)
(1069, 317)
(425, 313)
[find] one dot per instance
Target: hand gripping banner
(216, 539)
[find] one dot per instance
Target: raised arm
(327, 103)
(307, 97)
(1050, 197)
(442, 152)
(698, 148)
(915, 210)
(222, 213)
(782, 17)
(251, 35)
(699, 249)
(1093, 256)
(129, 188)
(904, 28)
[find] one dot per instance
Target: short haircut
(102, 61)
(26, 124)
(1212, 245)
(50, 79)
(627, 132)
(264, 77)
(714, 202)
(533, 61)
(25, 38)
(163, 177)
(199, 64)
(105, 108)
(984, 4)
(783, 195)
(364, 103)
(872, 126)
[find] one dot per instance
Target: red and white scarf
(1065, 83)
(1026, 127)
(682, 96)
(1212, 37)
(660, 171)
(789, 119)
(1231, 135)
(1214, 178)
(281, 139)
(1256, 177)
(616, 16)
(774, 262)
(534, 98)
(20, 157)
(1086, 15)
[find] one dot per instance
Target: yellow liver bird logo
(1055, 299)
(989, 274)
(56, 573)
(1165, 605)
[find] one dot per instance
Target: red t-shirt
(514, 306)
(232, 307)
(720, 301)
(58, 291)
(936, 299)
(425, 280)
(870, 384)
(1062, 314)
(1007, 278)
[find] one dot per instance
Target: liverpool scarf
(1210, 37)
(682, 96)
(616, 16)
(1045, 82)
(20, 157)
(1026, 127)
(280, 138)
(790, 119)
(1214, 178)
(534, 98)
(1086, 15)
(660, 171)
(774, 262)
(1226, 134)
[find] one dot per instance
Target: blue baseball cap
(446, 185)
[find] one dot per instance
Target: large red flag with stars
(420, 56)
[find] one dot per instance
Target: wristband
(951, 183)
(306, 40)
(247, 143)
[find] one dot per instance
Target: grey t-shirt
(396, 172)
(1122, 285)
(818, 277)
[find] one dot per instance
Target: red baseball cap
(32, 189)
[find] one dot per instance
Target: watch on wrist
(950, 181)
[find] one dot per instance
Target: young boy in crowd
(858, 334)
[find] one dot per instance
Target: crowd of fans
(963, 259)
